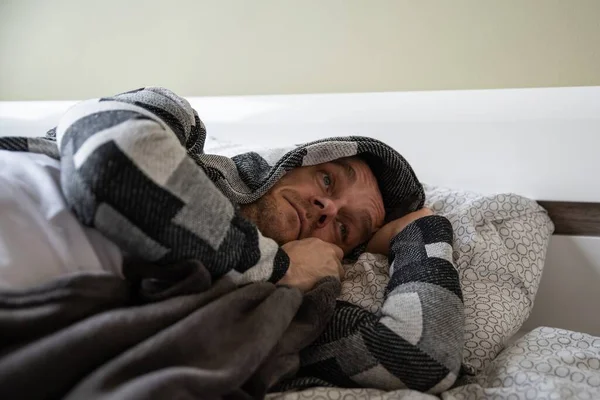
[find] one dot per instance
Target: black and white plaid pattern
(416, 339)
(133, 167)
(38, 145)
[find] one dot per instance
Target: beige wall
(72, 49)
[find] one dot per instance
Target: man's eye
(326, 180)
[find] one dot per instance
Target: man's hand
(311, 259)
(380, 243)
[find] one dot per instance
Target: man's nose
(326, 211)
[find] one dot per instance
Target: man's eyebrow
(347, 168)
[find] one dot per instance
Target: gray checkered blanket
(133, 167)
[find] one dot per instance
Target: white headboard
(541, 143)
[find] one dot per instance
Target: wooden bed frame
(574, 218)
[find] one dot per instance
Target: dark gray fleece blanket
(163, 335)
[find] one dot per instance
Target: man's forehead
(347, 168)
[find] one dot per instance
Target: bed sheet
(547, 363)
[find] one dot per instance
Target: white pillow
(500, 245)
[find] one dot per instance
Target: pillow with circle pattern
(500, 244)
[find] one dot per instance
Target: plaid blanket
(133, 167)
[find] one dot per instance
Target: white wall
(75, 49)
(568, 296)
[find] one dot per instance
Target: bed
(539, 143)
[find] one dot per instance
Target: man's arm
(127, 169)
(416, 341)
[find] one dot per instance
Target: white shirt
(40, 238)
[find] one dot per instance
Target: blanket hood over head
(246, 177)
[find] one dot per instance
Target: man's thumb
(338, 251)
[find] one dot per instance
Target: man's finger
(339, 253)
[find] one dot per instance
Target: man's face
(338, 202)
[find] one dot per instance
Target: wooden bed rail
(574, 218)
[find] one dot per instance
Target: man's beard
(272, 222)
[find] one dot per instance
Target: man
(132, 167)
